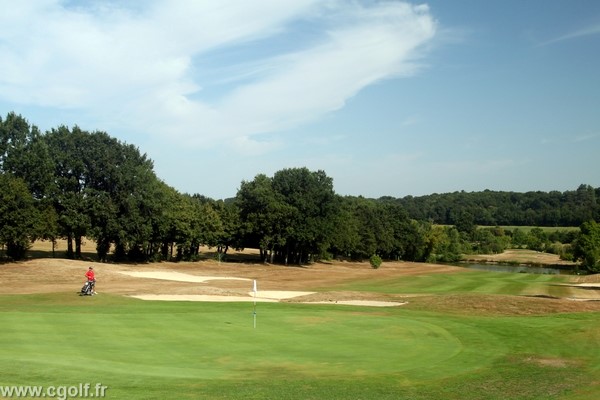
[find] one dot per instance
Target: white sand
(177, 276)
(212, 298)
(278, 294)
(369, 303)
(263, 296)
(587, 285)
(200, 297)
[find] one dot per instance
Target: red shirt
(90, 275)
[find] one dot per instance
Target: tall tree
(24, 154)
(104, 188)
(66, 149)
(264, 216)
(311, 212)
(345, 238)
(289, 216)
(587, 246)
(18, 216)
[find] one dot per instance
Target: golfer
(91, 277)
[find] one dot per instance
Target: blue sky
(388, 98)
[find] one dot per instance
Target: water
(518, 269)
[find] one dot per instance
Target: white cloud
(321, 79)
(587, 31)
(134, 67)
(252, 147)
(586, 137)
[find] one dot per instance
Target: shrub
(375, 261)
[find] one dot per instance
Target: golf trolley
(88, 288)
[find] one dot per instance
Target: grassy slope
(145, 350)
(473, 281)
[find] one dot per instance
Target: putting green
(206, 341)
(147, 350)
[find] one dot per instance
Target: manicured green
(468, 281)
(179, 350)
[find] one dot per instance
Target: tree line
(73, 184)
(490, 208)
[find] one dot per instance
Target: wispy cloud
(139, 68)
(587, 31)
(565, 139)
(584, 138)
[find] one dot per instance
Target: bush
(375, 261)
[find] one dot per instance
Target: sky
(389, 98)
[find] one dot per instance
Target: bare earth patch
(551, 362)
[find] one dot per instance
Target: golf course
(335, 330)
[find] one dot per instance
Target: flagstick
(254, 311)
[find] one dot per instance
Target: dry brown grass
(521, 256)
(51, 275)
(481, 304)
(47, 275)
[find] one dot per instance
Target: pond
(525, 269)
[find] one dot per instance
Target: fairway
(460, 334)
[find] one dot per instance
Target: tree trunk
(78, 246)
(70, 245)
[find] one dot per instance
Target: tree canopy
(74, 184)
(553, 209)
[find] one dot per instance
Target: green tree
(105, 189)
(417, 247)
(465, 223)
(288, 217)
(65, 149)
(346, 237)
(489, 241)
(24, 154)
(310, 209)
(537, 239)
(587, 246)
(395, 222)
(18, 216)
(444, 244)
(265, 217)
(230, 219)
(366, 216)
(519, 238)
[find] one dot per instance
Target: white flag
(254, 288)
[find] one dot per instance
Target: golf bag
(88, 288)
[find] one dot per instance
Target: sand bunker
(587, 285)
(177, 276)
(283, 295)
(278, 294)
(261, 296)
(201, 297)
(369, 303)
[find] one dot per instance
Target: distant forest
(68, 183)
(490, 208)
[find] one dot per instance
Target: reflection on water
(518, 269)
